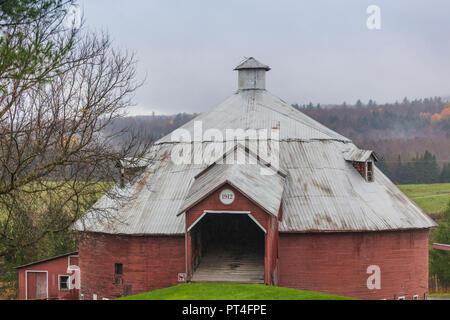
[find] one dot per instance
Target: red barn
(49, 279)
(254, 191)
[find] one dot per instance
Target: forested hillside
(150, 128)
(411, 137)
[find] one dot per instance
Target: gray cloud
(320, 51)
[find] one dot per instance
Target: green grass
(439, 295)
(231, 291)
(432, 198)
(89, 193)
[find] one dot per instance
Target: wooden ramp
(230, 266)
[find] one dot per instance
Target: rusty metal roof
(258, 109)
(322, 192)
(360, 155)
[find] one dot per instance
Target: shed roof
(48, 259)
(441, 246)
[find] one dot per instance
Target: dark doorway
(227, 248)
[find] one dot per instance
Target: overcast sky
(320, 51)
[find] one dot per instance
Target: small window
(370, 171)
(401, 298)
(63, 283)
(416, 297)
(118, 268)
(365, 169)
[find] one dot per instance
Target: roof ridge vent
(252, 74)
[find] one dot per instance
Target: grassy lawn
(439, 295)
(231, 291)
(89, 193)
(432, 198)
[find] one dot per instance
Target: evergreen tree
(445, 173)
(439, 259)
(428, 169)
(397, 172)
(35, 45)
(296, 106)
(382, 165)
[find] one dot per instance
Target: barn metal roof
(360, 155)
(265, 190)
(252, 63)
(258, 110)
(322, 193)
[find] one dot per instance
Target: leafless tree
(55, 156)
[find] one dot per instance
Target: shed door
(36, 285)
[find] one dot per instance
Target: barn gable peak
(235, 175)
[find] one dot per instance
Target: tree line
(421, 169)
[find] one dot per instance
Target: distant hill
(406, 129)
(411, 137)
(150, 128)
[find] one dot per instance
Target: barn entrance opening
(227, 248)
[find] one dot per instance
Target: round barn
(254, 191)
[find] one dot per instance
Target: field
(432, 198)
(231, 291)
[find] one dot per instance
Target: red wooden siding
(337, 263)
(34, 279)
(149, 263)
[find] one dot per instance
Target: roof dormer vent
(362, 160)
